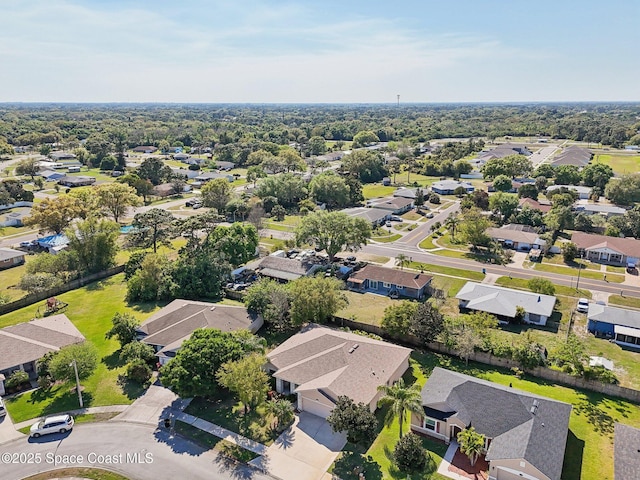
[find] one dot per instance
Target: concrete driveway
(7, 430)
(153, 406)
(304, 451)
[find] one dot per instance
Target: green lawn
(585, 273)
(427, 243)
(90, 309)
(387, 238)
(365, 307)
(625, 301)
(208, 441)
(455, 272)
(10, 278)
(620, 163)
(375, 190)
(560, 289)
(78, 472)
(228, 413)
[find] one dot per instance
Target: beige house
(320, 364)
(168, 328)
(604, 249)
(525, 434)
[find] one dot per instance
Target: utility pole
(398, 99)
(75, 369)
(579, 270)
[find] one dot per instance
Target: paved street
(542, 155)
(142, 452)
(417, 255)
(416, 236)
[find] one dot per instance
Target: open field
(375, 190)
(620, 163)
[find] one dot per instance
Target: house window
(400, 287)
(373, 284)
(430, 424)
(386, 285)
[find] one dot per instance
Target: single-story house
(22, 345)
(583, 192)
(620, 324)
(525, 434)
(407, 193)
(447, 187)
(375, 216)
(194, 160)
(50, 175)
(504, 302)
(53, 243)
(206, 176)
(145, 149)
(502, 151)
(185, 173)
(598, 209)
(320, 364)
(225, 166)
(181, 156)
(626, 452)
(331, 156)
(172, 150)
(57, 156)
(169, 327)
(603, 249)
(573, 155)
(389, 281)
(396, 205)
(285, 269)
(167, 189)
(79, 181)
(15, 218)
(534, 204)
(10, 258)
(516, 236)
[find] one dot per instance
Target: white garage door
(316, 408)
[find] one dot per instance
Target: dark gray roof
(283, 268)
(573, 155)
(505, 415)
(626, 452)
(614, 315)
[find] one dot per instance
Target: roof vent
(212, 308)
(534, 407)
(353, 348)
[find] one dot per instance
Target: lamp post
(75, 369)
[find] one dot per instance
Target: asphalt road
(413, 238)
(392, 250)
(139, 452)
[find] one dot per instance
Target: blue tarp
(53, 241)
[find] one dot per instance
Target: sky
(308, 51)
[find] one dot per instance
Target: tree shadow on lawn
(100, 284)
(147, 307)
(591, 405)
(351, 464)
(112, 361)
(61, 403)
(131, 389)
(573, 455)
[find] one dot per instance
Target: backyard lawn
(375, 190)
(10, 278)
(365, 307)
(90, 309)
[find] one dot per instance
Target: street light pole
(75, 369)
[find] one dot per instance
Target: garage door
(316, 408)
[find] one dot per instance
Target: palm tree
(452, 223)
(401, 399)
(402, 260)
(471, 444)
(282, 411)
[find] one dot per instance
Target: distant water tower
(398, 99)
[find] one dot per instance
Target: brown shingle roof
(395, 277)
(28, 342)
(178, 320)
(590, 241)
(323, 358)
(544, 208)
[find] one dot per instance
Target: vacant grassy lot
(375, 190)
(365, 307)
(620, 163)
(90, 309)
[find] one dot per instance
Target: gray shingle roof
(573, 155)
(9, 253)
(505, 415)
(516, 233)
(178, 320)
(626, 452)
(373, 215)
(504, 301)
(614, 315)
(282, 268)
(28, 342)
(322, 358)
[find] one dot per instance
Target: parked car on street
(3, 410)
(55, 424)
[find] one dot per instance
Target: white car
(583, 305)
(3, 411)
(55, 424)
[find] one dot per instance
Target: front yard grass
(208, 441)
(226, 412)
(625, 301)
(524, 284)
(91, 309)
(387, 238)
(455, 272)
(585, 273)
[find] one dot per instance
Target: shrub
(409, 455)
(541, 285)
(434, 198)
(16, 379)
(138, 371)
(137, 351)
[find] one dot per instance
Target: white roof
(632, 332)
(504, 301)
(600, 362)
